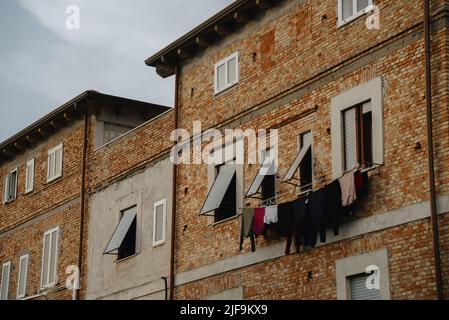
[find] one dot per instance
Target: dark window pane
(268, 187)
(128, 247)
(228, 207)
(367, 138)
(305, 171)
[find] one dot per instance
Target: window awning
(297, 162)
(218, 189)
(120, 231)
(266, 169)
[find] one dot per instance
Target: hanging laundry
(299, 211)
(259, 226)
(333, 210)
(285, 219)
(361, 183)
(348, 191)
(271, 215)
(312, 222)
(247, 228)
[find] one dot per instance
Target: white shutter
(23, 275)
(14, 179)
(307, 139)
(50, 166)
(359, 290)
(58, 160)
(350, 138)
(159, 222)
(29, 181)
(50, 258)
(6, 189)
(4, 286)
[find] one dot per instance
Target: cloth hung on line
(285, 219)
(259, 226)
(348, 191)
(333, 210)
(298, 215)
(361, 183)
(271, 215)
(247, 228)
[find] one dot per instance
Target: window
(306, 166)
(49, 276)
(269, 181)
(10, 186)
(228, 206)
(363, 276)
(265, 178)
(303, 162)
(226, 73)
(358, 138)
(29, 180)
(123, 240)
(23, 275)
(222, 196)
(159, 222)
(54, 168)
(359, 290)
(349, 10)
(4, 285)
(357, 127)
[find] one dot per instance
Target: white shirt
(271, 215)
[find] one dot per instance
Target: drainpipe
(175, 172)
(433, 202)
(82, 192)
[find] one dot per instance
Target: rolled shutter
(359, 290)
(350, 138)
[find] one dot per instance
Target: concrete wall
(138, 277)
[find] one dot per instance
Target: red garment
(259, 215)
(358, 179)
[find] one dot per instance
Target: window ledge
(342, 23)
(219, 92)
(225, 220)
(127, 258)
(53, 180)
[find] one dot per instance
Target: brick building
(42, 169)
(340, 94)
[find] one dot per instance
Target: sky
(43, 64)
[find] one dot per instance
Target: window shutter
(159, 221)
(4, 286)
(14, 180)
(50, 166)
(53, 257)
(58, 162)
(6, 189)
(23, 275)
(29, 181)
(350, 138)
(359, 291)
(45, 255)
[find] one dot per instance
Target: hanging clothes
(259, 226)
(333, 210)
(314, 216)
(247, 228)
(271, 215)
(348, 191)
(361, 183)
(285, 219)
(299, 212)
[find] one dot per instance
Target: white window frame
(29, 165)
(355, 13)
(7, 184)
(6, 264)
(27, 258)
(50, 284)
(53, 151)
(355, 265)
(369, 91)
(225, 62)
(162, 203)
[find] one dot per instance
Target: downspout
(433, 202)
(82, 209)
(175, 172)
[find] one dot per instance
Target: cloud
(49, 64)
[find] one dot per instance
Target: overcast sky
(43, 64)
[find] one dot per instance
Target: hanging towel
(299, 211)
(271, 215)
(348, 191)
(259, 215)
(247, 228)
(361, 183)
